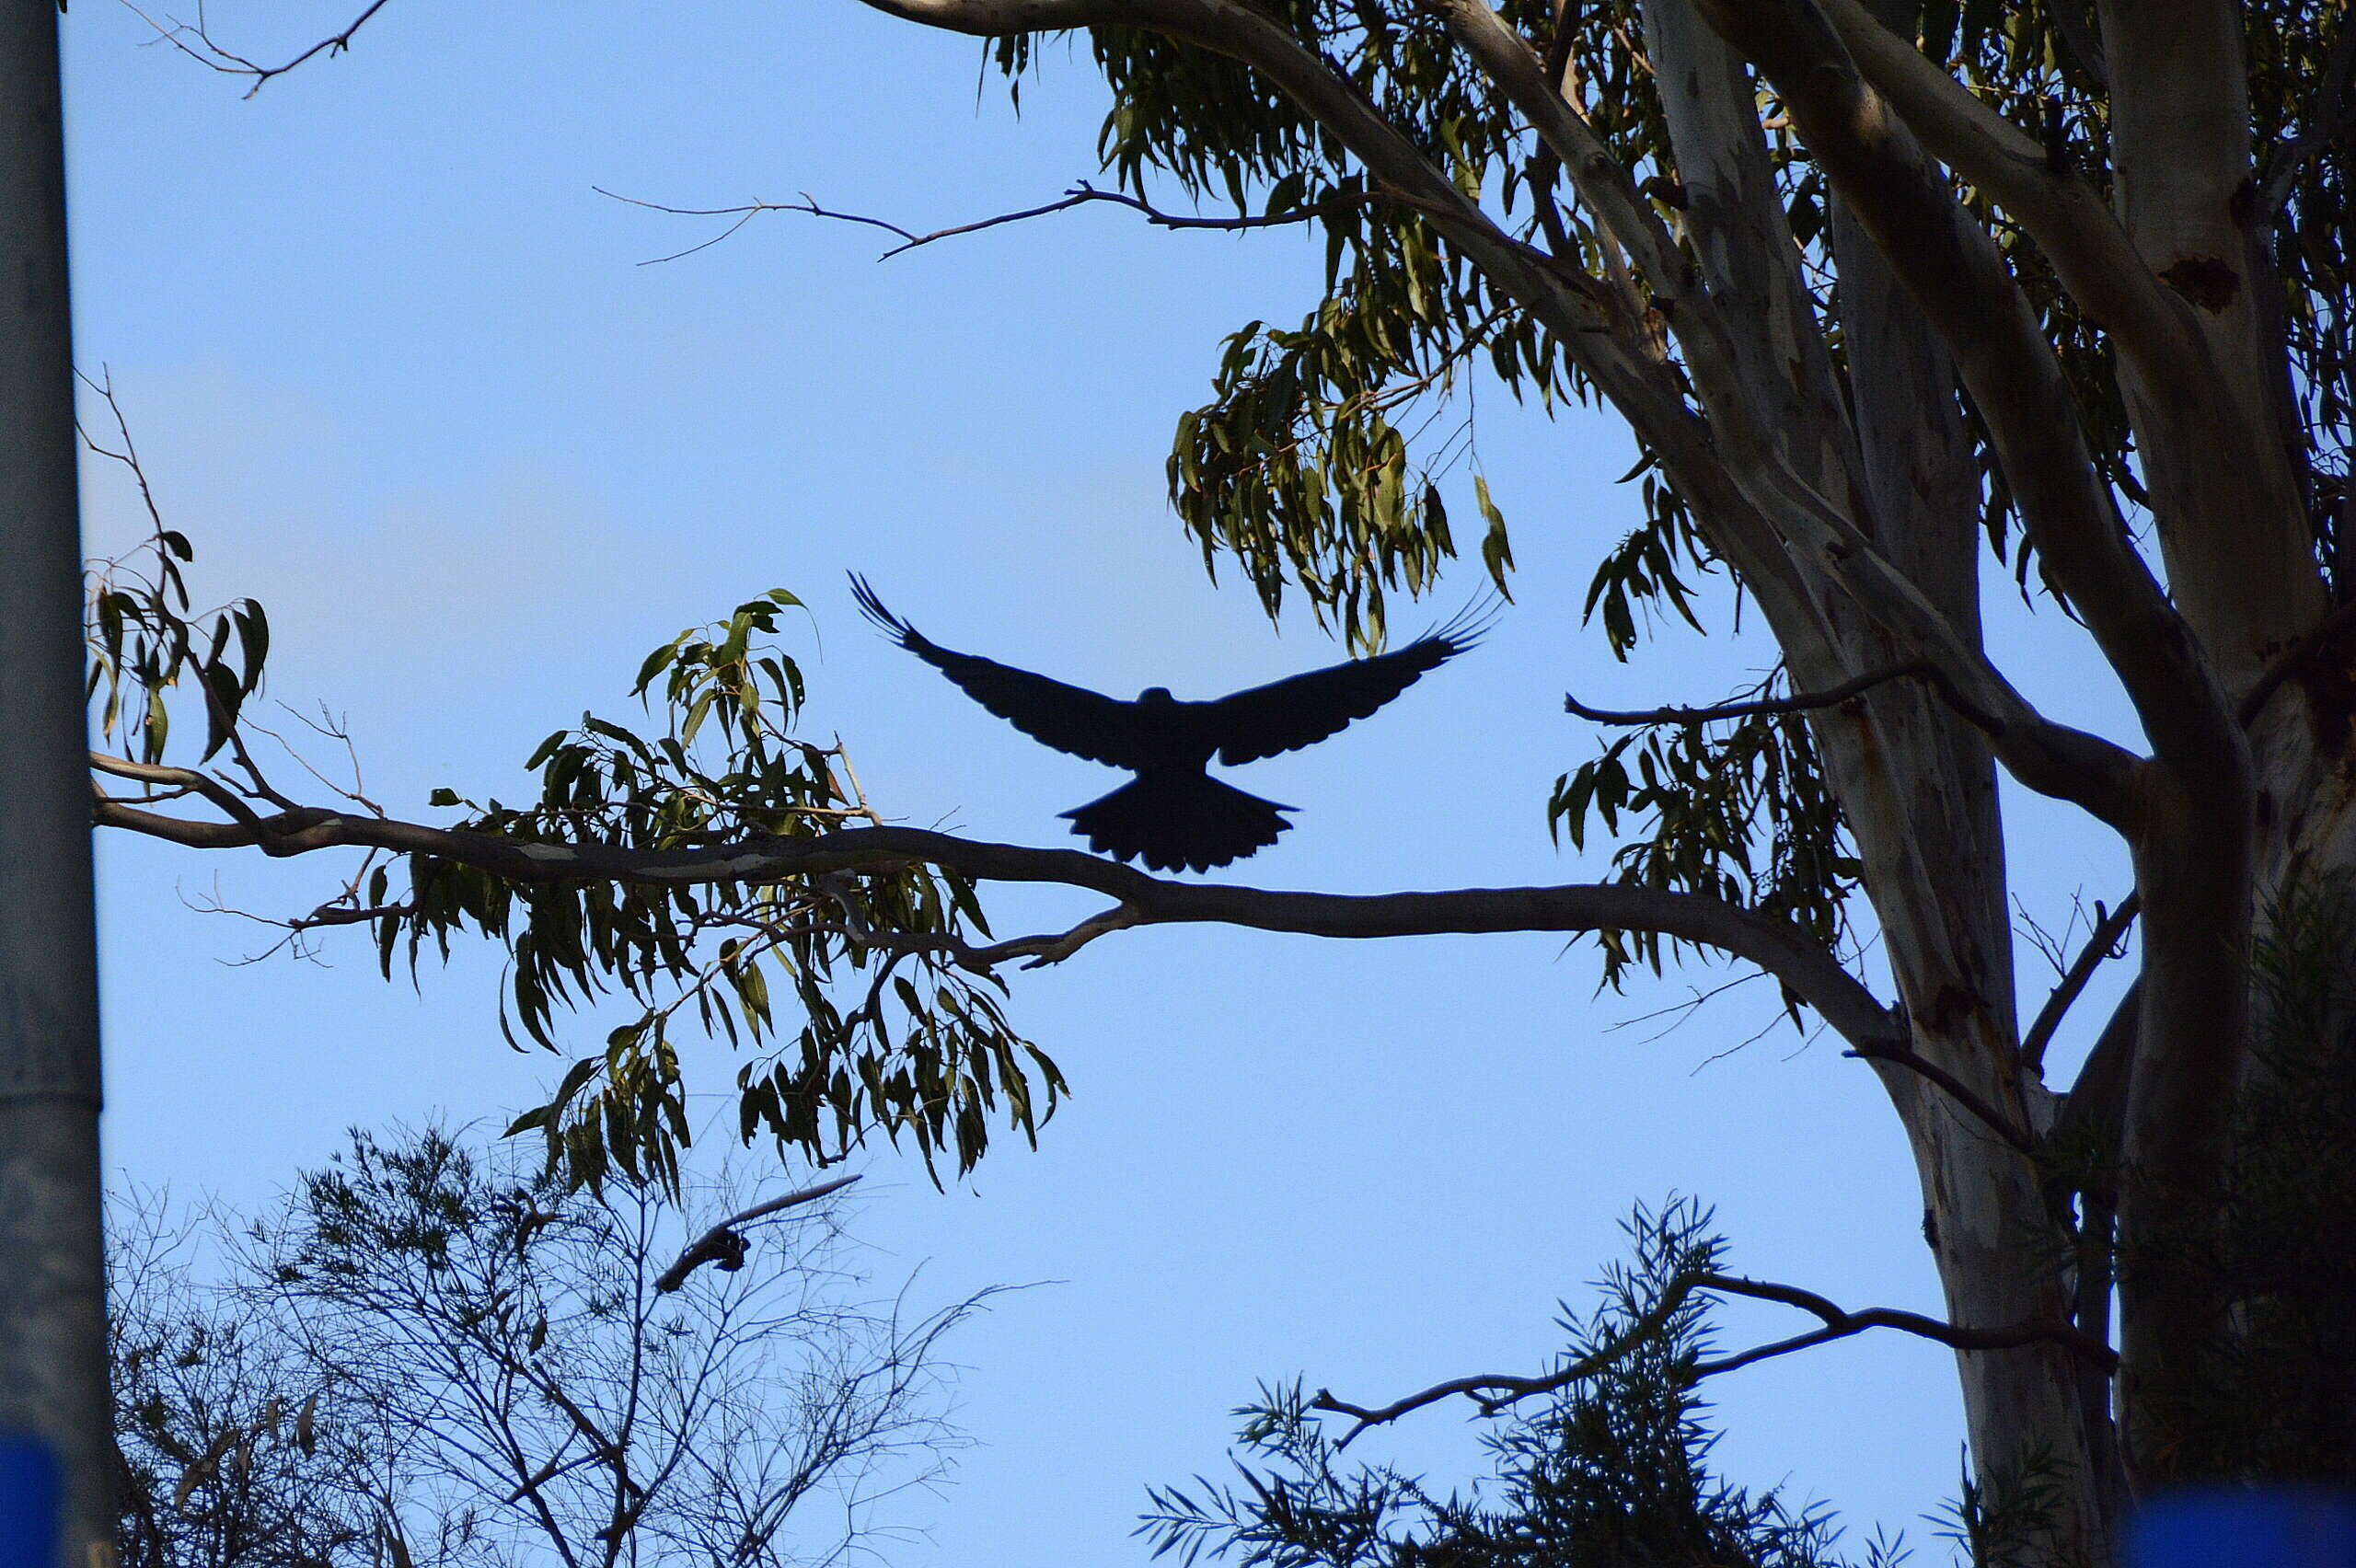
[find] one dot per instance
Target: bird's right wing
(1284, 715)
(1069, 718)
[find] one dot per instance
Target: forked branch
(193, 41)
(1495, 1391)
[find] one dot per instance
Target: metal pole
(52, 1297)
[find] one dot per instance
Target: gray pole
(52, 1304)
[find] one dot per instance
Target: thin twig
(1899, 1056)
(1079, 195)
(1798, 702)
(215, 58)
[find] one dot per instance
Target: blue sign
(2275, 1527)
(31, 1492)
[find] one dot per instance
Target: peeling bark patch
(2206, 281)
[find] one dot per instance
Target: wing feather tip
(883, 618)
(1463, 631)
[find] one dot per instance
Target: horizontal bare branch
(1079, 195)
(1798, 702)
(1494, 1391)
(1810, 971)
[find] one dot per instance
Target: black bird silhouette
(1175, 817)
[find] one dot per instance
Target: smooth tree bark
(1859, 314)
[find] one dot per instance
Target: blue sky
(399, 372)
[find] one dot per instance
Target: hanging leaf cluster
(1301, 467)
(843, 989)
(145, 639)
(843, 985)
(1318, 463)
(1734, 808)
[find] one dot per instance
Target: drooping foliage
(885, 1033)
(880, 1030)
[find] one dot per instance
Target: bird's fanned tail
(1177, 821)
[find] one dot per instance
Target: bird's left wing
(1069, 718)
(1288, 714)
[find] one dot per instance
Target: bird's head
(1156, 696)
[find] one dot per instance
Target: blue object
(31, 1489)
(2274, 1528)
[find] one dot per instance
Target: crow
(1175, 816)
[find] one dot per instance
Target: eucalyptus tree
(1877, 288)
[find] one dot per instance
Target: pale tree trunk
(1917, 785)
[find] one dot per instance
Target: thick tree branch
(1748, 499)
(2048, 757)
(1953, 272)
(1811, 972)
(2061, 210)
(2108, 933)
(2219, 478)
(2295, 658)
(1617, 354)
(997, 19)
(179, 780)
(1602, 183)
(1494, 1391)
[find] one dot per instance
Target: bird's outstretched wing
(1288, 714)
(1069, 718)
